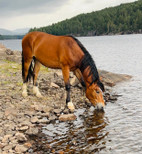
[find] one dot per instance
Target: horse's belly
(49, 62)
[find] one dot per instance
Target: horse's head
(94, 93)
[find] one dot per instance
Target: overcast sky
(16, 14)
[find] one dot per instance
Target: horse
(61, 52)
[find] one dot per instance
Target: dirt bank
(22, 118)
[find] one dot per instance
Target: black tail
(30, 71)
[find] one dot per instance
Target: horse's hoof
(38, 95)
(71, 106)
(24, 94)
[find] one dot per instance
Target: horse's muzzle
(99, 107)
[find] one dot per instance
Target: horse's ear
(100, 84)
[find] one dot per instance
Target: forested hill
(126, 18)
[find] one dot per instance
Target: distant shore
(12, 37)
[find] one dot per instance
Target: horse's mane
(88, 61)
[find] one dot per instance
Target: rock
(53, 85)
(67, 117)
(6, 138)
(9, 52)
(44, 120)
(74, 81)
(47, 109)
(23, 128)
(34, 120)
(10, 111)
(28, 145)
(58, 74)
(21, 148)
(52, 118)
(57, 111)
(111, 79)
(112, 98)
(20, 137)
(1, 145)
(32, 131)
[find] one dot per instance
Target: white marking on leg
(71, 106)
(36, 91)
(24, 90)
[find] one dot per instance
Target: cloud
(37, 13)
(20, 7)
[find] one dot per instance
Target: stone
(9, 52)
(20, 137)
(28, 145)
(44, 120)
(32, 131)
(34, 120)
(21, 148)
(67, 117)
(1, 145)
(6, 138)
(57, 111)
(47, 109)
(10, 111)
(23, 128)
(53, 85)
(74, 81)
(52, 118)
(58, 74)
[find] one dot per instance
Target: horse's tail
(30, 71)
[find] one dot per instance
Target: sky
(15, 14)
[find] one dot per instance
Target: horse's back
(52, 51)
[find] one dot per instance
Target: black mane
(88, 61)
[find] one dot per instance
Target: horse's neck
(87, 78)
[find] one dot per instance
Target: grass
(44, 69)
(5, 82)
(9, 66)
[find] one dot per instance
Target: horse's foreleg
(79, 75)
(35, 84)
(65, 71)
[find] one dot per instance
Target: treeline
(126, 18)
(8, 37)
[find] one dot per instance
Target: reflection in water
(86, 134)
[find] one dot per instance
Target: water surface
(119, 129)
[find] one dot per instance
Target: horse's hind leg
(35, 75)
(65, 71)
(25, 72)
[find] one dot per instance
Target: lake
(119, 129)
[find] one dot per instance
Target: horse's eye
(97, 92)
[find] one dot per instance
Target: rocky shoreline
(21, 119)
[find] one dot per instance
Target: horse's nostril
(100, 109)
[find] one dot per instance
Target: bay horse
(61, 52)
